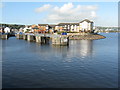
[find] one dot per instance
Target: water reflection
(86, 48)
(61, 50)
(79, 48)
(76, 48)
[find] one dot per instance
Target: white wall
(7, 30)
(72, 27)
(75, 28)
(85, 26)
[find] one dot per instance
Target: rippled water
(84, 64)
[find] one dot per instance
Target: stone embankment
(86, 37)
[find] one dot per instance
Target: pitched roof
(35, 27)
(61, 24)
(52, 26)
(42, 24)
(86, 21)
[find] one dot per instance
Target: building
(7, 30)
(83, 26)
(40, 28)
(86, 25)
(26, 29)
(35, 28)
(52, 28)
(72, 27)
(44, 27)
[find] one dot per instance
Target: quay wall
(4, 36)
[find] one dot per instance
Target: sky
(101, 13)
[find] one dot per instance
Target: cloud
(70, 13)
(93, 14)
(43, 8)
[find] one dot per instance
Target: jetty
(6, 35)
(56, 39)
(45, 38)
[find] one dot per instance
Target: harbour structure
(45, 38)
(4, 36)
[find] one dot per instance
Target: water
(84, 64)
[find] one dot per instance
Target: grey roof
(62, 24)
(42, 24)
(52, 26)
(86, 21)
(35, 27)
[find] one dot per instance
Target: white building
(73, 27)
(7, 30)
(29, 29)
(86, 25)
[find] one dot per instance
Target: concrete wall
(62, 40)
